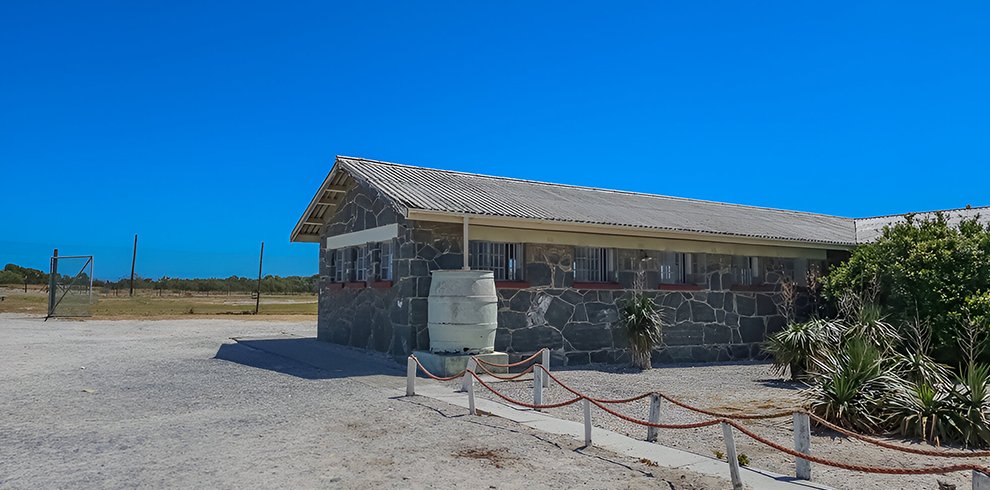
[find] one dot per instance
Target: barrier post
(802, 444)
(471, 366)
(470, 391)
(587, 421)
(980, 481)
(654, 418)
(546, 367)
(410, 376)
(537, 389)
(730, 455)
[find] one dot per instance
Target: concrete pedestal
(451, 364)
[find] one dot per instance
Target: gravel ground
(111, 404)
(740, 387)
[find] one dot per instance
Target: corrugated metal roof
(869, 229)
(430, 189)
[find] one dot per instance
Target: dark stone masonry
(708, 323)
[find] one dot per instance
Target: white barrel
(463, 312)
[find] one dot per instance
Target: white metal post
(537, 390)
(471, 366)
(981, 481)
(587, 421)
(410, 376)
(470, 391)
(651, 432)
(546, 367)
(730, 455)
(802, 444)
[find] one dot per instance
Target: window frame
(506, 260)
(594, 264)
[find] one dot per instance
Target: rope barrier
(897, 447)
(522, 403)
(939, 470)
(729, 420)
(433, 376)
(514, 377)
(510, 365)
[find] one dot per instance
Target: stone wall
(579, 325)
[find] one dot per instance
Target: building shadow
(307, 358)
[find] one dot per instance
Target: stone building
(562, 257)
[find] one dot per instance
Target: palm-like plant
(971, 399)
(644, 322)
(922, 410)
(794, 347)
(851, 386)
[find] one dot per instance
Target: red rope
(514, 377)
(521, 403)
(510, 365)
(940, 470)
(898, 447)
(433, 376)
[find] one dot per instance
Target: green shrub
(924, 270)
(644, 322)
(971, 406)
(922, 410)
(850, 387)
(793, 348)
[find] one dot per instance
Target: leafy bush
(971, 405)
(922, 269)
(644, 322)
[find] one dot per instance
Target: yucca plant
(970, 397)
(794, 347)
(922, 410)
(644, 322)
(851, 386)
(920, 369)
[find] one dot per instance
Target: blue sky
(205, 127)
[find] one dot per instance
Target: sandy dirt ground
(740, 388)
(112, 404)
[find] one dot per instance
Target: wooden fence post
(981, 481)
(802, 444)
(537, 390)
(471, 366)
(546, 367)
(586, 404)
(731, 457)
(470, 390)
(410, 376)
(654, 418)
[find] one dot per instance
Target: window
(779, 270)
(505, 260)
(696, 268)
(361, 263)
(337, 266)
(593, 264)
(383, 257)
(671, 268)
(746, 270)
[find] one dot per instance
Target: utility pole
(257, 300)
(52, 273)
(133, 261)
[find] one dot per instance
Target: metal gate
(70, 286)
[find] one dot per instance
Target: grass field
(147, 304)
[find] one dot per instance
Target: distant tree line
(14, 274)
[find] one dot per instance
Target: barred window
(337, 266)
(383, 257)
(593, 264)
(361, 263)
(696, 268)
(505, 260)
(746, 270)
(671, 268)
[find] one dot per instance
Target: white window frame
(671, 268)
(361, 263)
(338, 267)
(693, 263)
(505, 260)
(383, 257)
(594, 264)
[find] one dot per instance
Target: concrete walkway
(328, 357)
